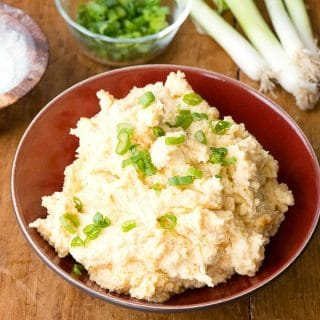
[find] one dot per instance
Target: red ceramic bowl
(47, 148)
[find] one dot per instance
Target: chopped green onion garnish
(101, 221)
(69, 222)
(195, 172)
(168, 221)
(158, 132)
(175, 140)
(146, 99)
(127, 162)
(218, 176)
(221, 127)
(123, 144)
(199, 116)
(219, 156)
(77, 242)
(141, 160)
(92, 231)
(192, 98)
(77, 269)
(125, 127)
(183, 119)
(157, 187)
(180, 181)
(128, 225)
(227, 162)
(78, 204)
(200, 137)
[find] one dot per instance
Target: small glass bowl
(122, 52)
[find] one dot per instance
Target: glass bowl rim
(175, 25)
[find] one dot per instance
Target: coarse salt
(14, 58)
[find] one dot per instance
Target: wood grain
(30, 290)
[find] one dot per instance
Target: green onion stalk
(289, 37)
(246, 57)
(292, 78)
(299, 16)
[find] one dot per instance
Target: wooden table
(30, 290)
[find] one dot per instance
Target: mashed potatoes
(184, 200)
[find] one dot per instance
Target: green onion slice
(158, 132)
(141, 160)
(175, 140)
(77, 269)
(180, 181)
(101, 221)
(78, 204)
(192, 99)
(125, 127)
(128, 225)
(146, 99)
(194, 172)
(168, 221)
(183, 119)
(92, 231)
(199, 116)
(221, 127)
(77, 242)
(69, 222)
(219, 156)
(227, 162)
(200, 137)
(218, 176)
(157, 187)
(123, 144)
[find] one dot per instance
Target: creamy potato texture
(194, 230)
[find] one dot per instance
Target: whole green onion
(192, 99)
(175, 140)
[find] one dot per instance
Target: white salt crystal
(15, 61)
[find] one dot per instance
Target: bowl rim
(144, 305)
(40, 62)
(174, 26)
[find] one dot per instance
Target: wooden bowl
(37, 51)
(47, 148)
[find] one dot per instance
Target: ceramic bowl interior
(47, 148)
